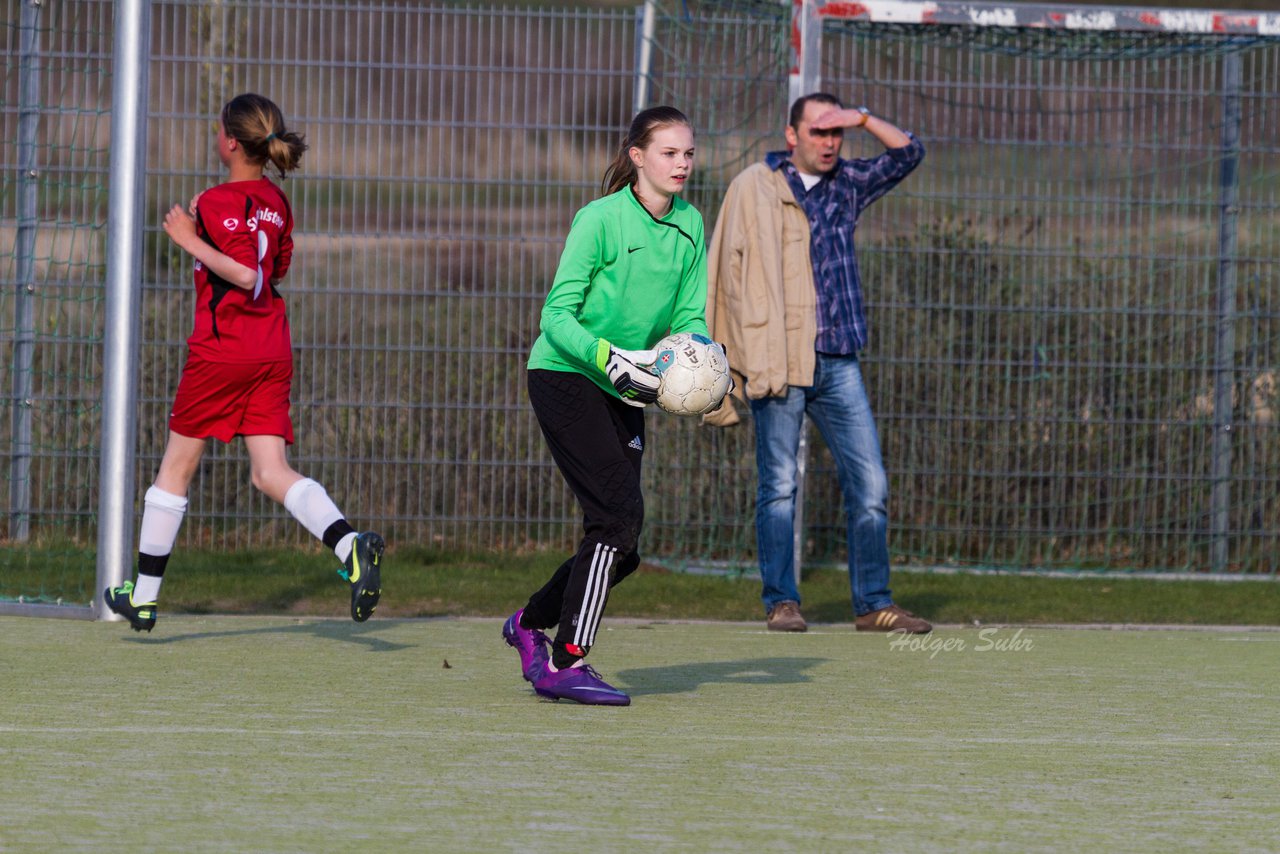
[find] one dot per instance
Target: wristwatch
(866, 114)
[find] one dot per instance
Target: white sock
(162, 514)
(311, 505)
(146, 588)
(345, 545)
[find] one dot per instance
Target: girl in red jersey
(237, 377)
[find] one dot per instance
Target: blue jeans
(837, 403)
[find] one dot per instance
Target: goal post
(807, 17)
(1050, 16)
(123, 299)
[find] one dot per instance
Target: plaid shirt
(833, 207)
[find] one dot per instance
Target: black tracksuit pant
(597, 441)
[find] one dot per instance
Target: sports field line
(758, 627)
(429, 734)
(1123, 627)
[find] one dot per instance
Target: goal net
(54, 115)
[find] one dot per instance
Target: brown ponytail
(258, 125)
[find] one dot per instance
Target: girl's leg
(553, 590)
(522, 629)
(303, 497)
(164, 507)
(597, 442)
(182, 455)
(307, 501)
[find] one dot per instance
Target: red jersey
(251, 223)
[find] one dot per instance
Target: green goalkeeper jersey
(626, 277)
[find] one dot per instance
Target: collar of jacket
(775, 160)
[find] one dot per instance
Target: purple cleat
(580, 683)
(530, 643)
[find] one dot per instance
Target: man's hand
(840, 119)
(889, 135)
(628, 371)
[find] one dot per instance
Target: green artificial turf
(301, 734)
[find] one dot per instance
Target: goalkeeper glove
(626, 369)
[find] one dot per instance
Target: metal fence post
(806, 49)
(648, 15)
(805, 78)
(123, 296)
(24, 342)
(1224, 356)
(802, 467)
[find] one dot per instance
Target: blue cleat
(579, 683)
(530, 643)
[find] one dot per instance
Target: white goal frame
(807, 17)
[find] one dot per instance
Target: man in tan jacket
(785, 297)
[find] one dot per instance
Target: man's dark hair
(797, 109)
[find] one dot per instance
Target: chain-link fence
(1046, 291)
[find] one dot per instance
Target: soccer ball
(693, 374)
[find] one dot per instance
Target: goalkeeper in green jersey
(634, 269)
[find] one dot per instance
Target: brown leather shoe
(892, 619)
(785, 617)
